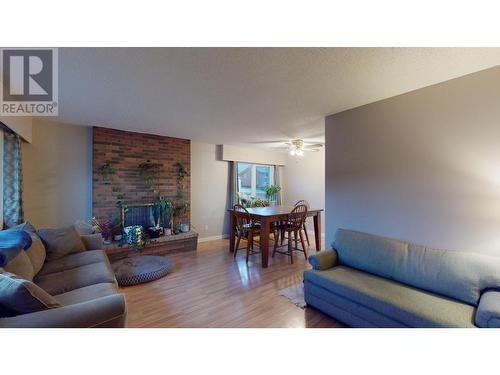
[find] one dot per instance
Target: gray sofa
(81, 284)
(371, 281)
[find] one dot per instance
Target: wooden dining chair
(246, 228)
(305, 203)
(293, 228)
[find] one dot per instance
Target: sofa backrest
(459, 275)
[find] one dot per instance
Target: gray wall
(423, 166)
(57, 174)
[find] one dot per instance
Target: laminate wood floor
(208, 288)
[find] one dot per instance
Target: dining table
(266, 216)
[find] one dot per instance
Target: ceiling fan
(298, 146)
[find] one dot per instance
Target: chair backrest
(303, 202)
(297, 217)
(242, 217)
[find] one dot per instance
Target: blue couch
(372, 281)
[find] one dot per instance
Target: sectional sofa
(372, 281)
(60, 279)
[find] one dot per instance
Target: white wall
(209, 191)
(422, 167)
(305, 179)
(57, 174)
(255, 155)
(58, 180)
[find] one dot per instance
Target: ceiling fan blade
(269, 142)
(314, 145)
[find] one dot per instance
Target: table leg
(232, 233)
(264, 241)
(317, 230)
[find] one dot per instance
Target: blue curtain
(12, 178)
(233, 184)
(277, 182)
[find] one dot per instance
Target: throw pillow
(60, 242)
(21, 266)
(21, 296)
(36, 253)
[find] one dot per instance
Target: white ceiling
(240, 95)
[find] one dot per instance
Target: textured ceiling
(239, 95)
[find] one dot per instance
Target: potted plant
(180, 210)
(103, 226)
(272, 193)
(166, 210)
(116, 228)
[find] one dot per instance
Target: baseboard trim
(311, 233)
(213, 238)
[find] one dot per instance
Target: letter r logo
(27, 75)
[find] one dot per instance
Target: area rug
(295, 294)
(140, 269)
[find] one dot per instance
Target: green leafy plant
(166, 209)
(181, 174)
(135, 237)
(272, 192)
(181, 208)
(107, 173)
(253, 202)
(150, 172)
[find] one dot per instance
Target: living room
(250, 185)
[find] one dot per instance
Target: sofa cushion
(93, 241)
(60, 242)
(488, 311)
(407, 305)
(87, 293)
(21, 266)
(36, 253)
(65, 281)
(73, 261)
(21, 296)
(458, 275)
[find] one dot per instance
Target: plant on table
(272, 192)
(103, 226)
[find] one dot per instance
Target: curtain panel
(277, 182)
(233, 184)
(12, 178)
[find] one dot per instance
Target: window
(252, 178)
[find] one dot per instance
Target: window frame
(253, 179)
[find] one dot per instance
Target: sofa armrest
(323, 260)
(488, 311)
(92, 241)
(108, 311)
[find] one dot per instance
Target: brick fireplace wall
(126, 151)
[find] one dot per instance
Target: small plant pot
(154, 232)
(118, 237)
(168, 231)
(184, 228)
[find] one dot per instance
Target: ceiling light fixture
(297, 148)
